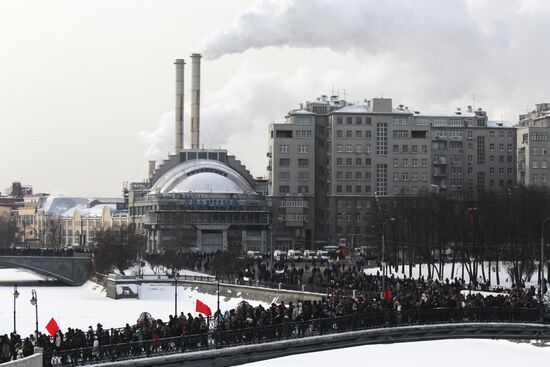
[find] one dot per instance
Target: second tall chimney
(180, 63)
(195, 99)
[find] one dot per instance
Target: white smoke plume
(451, 44)
(367, 26)
(430, 53)
(236, 116)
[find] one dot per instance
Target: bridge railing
(216, 339)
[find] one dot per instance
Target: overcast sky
(87, 87)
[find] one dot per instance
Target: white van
(309, 255)
(322, 255)
(295, 255)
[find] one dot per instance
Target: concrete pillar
(224, 239)
(244, 241)
(264, 241)
(199, 239)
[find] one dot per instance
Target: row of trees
(505, 226)
(7, 231)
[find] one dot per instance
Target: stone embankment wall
(268, 295)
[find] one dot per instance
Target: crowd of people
(401, 295)
(34, 251)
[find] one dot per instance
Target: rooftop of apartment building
(539, 117)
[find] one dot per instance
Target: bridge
(233, 347)
(72, 270)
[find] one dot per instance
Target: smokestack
(152, 166)
(180, 63)
(195, 99)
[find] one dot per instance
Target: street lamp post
(34, 302)
(15, 295)
(541, 279)
(218, 280)
(175, 274)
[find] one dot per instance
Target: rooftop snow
(497, 124)
(443, 113)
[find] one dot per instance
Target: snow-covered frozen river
(80, 307)
(448, 353)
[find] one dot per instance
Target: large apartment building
(298, 169)
(533, 146)
(329, 160)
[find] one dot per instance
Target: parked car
(256, 255)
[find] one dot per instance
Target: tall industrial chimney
(180, 63)
(195, 99)
(152, 167)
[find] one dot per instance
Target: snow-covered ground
(80, 307)
(19, 275)
(449, 353)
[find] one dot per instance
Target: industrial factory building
(201, 199)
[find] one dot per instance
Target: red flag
(52, 327)
(387, 294)
(202, 308)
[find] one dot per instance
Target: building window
(339, 133)
(358, 134)
(396, 148)
(303, 149)
(349, 134)
(339, 148)
(339, 188)
(284, 175)
(339, 161)
(284, 162)
(303, 189)
(339, 120)
(303, 134)
(382, 179)
(303, 175)
(349, 120)
(284, 189)
(285, 148)
(382, 141)
(303, 162)
(368, 134)
(400, 134)
(358, 120)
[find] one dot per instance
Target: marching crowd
(400, 295)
